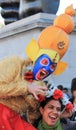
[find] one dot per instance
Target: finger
(35, 96)
(39, 86)
(41, 92)
(43, 87)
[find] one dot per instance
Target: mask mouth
(42, 73)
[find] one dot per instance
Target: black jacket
(73, 117)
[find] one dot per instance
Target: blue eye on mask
(43, 67)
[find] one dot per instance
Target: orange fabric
(9, 120)
(54, 38)
(65, 22)
(70, 10)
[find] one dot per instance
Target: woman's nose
(55, 110)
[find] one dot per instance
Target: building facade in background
(13, 10)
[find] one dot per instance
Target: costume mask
(43, 67)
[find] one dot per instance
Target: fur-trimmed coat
(13, 88)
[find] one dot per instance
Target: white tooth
(53, 116)
(44, 73)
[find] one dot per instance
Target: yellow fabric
(33, 55)
(61, 66)
(54, 56)
(32, 49)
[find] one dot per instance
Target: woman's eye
(50, 107)
(59, 109)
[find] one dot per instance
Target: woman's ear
(41, 110)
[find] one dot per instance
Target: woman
(51, 110)
(73, 99)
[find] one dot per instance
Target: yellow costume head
(53, 43)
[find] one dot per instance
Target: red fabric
(9, 120)
(58, 94)
(41, 97)
(29, 76)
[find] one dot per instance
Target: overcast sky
(1, 19)
(64, 4)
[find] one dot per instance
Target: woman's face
(51, 112)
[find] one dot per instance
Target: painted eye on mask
(44, 61)
(53, 66)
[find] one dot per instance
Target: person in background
(73, 98)
(60, 87)
(65, 90)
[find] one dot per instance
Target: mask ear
(61, 66)
(32, 49)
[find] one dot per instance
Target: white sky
(64, 4)
(1, 19)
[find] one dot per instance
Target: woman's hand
(66, 114)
